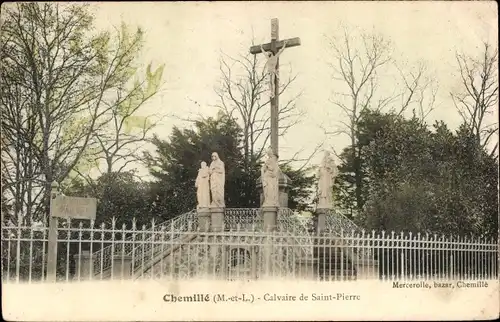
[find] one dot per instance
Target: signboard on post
(74, 207)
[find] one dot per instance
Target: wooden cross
(274, 47)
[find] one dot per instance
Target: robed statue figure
(217, 180)
(327, 173)
(202, 186)
(270, 176)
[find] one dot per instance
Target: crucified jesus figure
(272, 64)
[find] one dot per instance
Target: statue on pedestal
(202, 186)
(327, 173)
(217, 180)
(270, 176)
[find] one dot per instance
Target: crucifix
(272, 51)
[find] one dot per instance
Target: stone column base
(367, 269)
(217, 216)
(269, 216)
(204, 219)
(84, 265)
(321, 214)
(122, 266)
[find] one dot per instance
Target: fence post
(224, 260)
(84, 265)
(402, 264)
(52, 239)
(253, 265)
(451, 267)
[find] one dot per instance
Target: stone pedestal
(84, 266)
(269, 216)
(217, 219)
(305, 268)
(320, 219)
(122, 266)
(284, 184)
(367, 269)
(254, 268)
(224, 261)
(204, 219)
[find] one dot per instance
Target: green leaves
(73, 89)
(419, 179)
(176, 162)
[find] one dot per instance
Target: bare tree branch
(477, 96)
(242, 95)
(57, 78)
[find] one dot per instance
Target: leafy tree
(58, 83)
(176, 163)
(424, 180)
(359, 59)
(299, 195)
(120, 195)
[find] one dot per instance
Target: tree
(302, 187)
(58, 81)
(358, 69)
(118, 144)
(243, 94)
(425, 181)
(477, 96)
(119, 196)
(176, 162)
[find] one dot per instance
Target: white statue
(327, 173)
(272, 65)
(270, 176)
(217, 180)
(203, 187)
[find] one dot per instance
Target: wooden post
(52, 241)
(274, 47)
(275, 99)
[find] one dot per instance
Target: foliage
(299, 195)
(360, 60)
(419, 179)
(59, 78)
(120, 195)
(177, 161)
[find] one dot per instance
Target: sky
(188, 38)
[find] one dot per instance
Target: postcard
(237, 161)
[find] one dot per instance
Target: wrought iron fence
(178, 250)
(103, 256)
(337, 224)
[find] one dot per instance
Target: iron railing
(181, 253)
(103, 257)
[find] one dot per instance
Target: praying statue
(217, 180)
(327, 173)
(202, 186)
(272, 65)
(270, 176)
